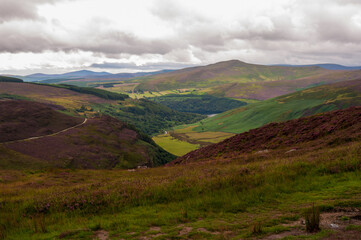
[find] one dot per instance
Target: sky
(55, 36)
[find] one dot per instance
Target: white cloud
(70, 34)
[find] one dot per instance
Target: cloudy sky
(145, 35)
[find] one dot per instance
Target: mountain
(146, 115)
(69, 75)
(291, 106)
(236, 79)
(300, 135)
(84, 75)
(53, 139)
(221, 73)
(329, 66)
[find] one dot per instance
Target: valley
(214, 193)
(96, 163)
(292, 106)
(180, 120)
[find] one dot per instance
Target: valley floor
(218, 199)
(183, 139)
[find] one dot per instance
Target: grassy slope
(270, 89)
(303, 103)
(219, 200)
(148, 116)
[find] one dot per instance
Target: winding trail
(49, 135)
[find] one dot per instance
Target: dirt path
(52, 134)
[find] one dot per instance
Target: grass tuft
(312, 218)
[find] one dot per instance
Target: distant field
(173, 145)
(183, 139)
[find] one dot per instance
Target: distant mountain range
(329, 66)
(84, 74)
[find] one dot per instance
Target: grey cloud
(20, 9)
(120, 42)
(33, 37)
(110, 65)
(308, 28)
(147, 66)
(173, 12)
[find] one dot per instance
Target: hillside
(97, 144)
(148, 116)
(300, 135)
(295, 105)
(9, 79)
(25, 119)
(235, 79)
(251, 195)
(329, 66)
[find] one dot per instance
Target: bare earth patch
(337, 221)
(101, 235)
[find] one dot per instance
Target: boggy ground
(218, 199)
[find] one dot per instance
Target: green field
(173, 145)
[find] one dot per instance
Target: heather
(227, 197)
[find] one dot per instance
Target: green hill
(299, 104)
(235, 79)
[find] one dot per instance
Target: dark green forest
(149, 117)
(9, 79)
(201, 104)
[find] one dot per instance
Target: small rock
(142, 167)
(292, 150)
(263, 151)
(333, 225)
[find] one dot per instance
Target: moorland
(98, 159)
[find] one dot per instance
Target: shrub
(312, 218)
